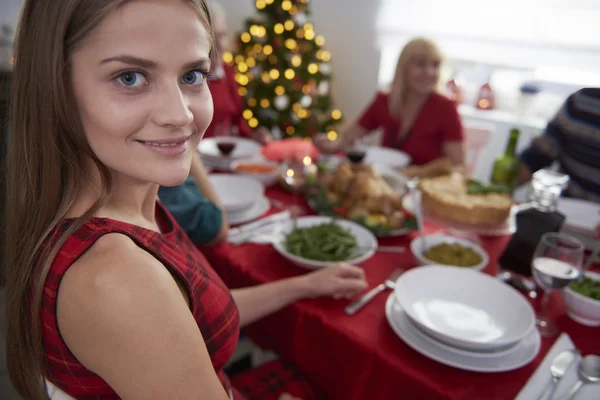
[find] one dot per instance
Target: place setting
(463, 319)
(220, 151)
(243, 198)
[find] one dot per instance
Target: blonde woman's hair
(417, 48)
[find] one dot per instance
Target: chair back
(55, 393)
(476, 137)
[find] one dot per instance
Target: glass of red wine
(357, 151)
(226, 142)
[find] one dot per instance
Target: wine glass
(226, 142)
(556, 263)
(357, 151)
(296, 165)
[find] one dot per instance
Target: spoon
(558, 368)
(589, 372)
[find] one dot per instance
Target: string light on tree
(284, 71)
(289, 74)
(289, 25)
(286, 5)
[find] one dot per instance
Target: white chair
(55, 393)
(476, 138)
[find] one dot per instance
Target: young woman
(414, 117)
(106, 296)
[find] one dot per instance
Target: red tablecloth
(360, 357)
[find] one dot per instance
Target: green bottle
(506, 167)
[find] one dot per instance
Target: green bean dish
(587, 287)
(325, 242)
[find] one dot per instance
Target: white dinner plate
(464, 308)
(367, 242)
(244, 148)
(257, 210)
(581, 215)
(236, 192)
(516, 357)
(387, 156)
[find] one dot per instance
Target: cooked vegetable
(254, 168)
(587, 287)
(453, 254)
(325, 242)
(476, 187)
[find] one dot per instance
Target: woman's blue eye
(132, 79)
(193, 78)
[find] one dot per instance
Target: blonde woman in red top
(415, 118)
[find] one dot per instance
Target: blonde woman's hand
(322, 142)
(262, 135)
(340, 281)
(287, 396)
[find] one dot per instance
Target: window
(558, 39)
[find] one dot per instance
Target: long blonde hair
(415, 49)
(47, 165)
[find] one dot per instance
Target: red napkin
(294, 148)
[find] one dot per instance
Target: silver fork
(389, 283)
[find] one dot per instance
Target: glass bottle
(542, 216)
(506, 166)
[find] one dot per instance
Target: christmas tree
(284, 71)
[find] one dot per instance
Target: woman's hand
(341, 281)
(287, 396)
(322, 142)
(262, 135)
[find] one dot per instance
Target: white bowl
(367, 242)
(580, 308)
(267, 179)
(437, 239)
(236, 192)
(464, 308)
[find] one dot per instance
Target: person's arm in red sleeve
(453, 135)
(260, 134)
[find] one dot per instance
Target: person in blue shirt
(196, 207)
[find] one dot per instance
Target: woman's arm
(198, 172)
(259, 301)
(455, 152)
(124, 317)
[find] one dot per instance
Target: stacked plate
(582, 220)
(463, 318)
(221, 152)
(243, 198)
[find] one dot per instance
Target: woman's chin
(173, 179)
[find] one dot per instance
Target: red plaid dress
(218, 323)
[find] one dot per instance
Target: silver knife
(252, 226)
